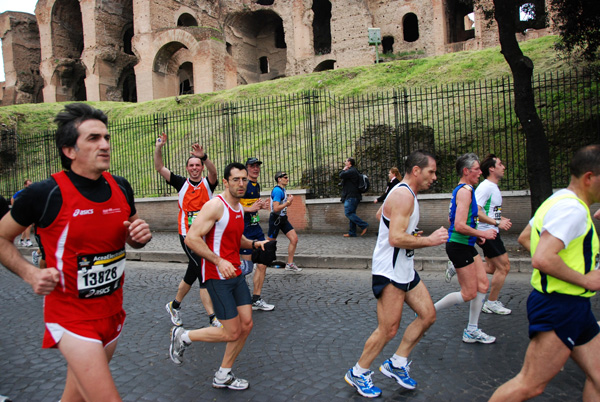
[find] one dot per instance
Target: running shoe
(35, 258)
(495, 307)
(477, 336)
(260, 304)
(292, 267)
(216, 323)
(174, 313)
(399, 374)
(230, 382)
(363, 384)
(177, 345)
(28, 243)
(450, 271)
(21, 242)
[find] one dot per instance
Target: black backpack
(363, 182)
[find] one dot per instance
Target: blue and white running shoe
(363, 384)
(399, 374)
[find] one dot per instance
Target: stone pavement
(300, 351)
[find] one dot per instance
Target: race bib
(100, 274)
(497, 213)
(191, 215)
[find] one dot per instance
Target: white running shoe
(477, 336)
(292, 267)
(260, 304)
(230, 382)
(175, 314)
(28, 243)
(450, 271)
(177, 345)
(495, 307)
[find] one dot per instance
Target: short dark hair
(352, 161)
(487, 163)
(419, 158)
(68, 121)
(465, 161)
(586, 159)
(192, 157)
(233, 165)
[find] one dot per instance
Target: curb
(429, 264)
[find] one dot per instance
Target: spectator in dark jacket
(351, 196)
(394, 177)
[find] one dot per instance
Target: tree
(578, 24)
(506, 13)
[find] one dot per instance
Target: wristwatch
(497, 222)
(205, 157)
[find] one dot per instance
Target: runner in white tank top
(395, 280)
(392, 262)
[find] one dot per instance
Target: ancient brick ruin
(139, 50)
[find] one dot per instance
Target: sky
(27, 6)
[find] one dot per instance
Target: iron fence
(310, 134)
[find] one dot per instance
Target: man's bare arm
(42, 281)
(159, 165)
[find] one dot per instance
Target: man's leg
(293, 237)
(389, 313)
(88, 374)
(588, 358)
(182, 290)
(420, 301)
(233, 348)
(350, 211)
(258, 279)
(544, 358)
(499, 267)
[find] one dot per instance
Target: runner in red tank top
(193, 193)
(221, 223)
(83, 308)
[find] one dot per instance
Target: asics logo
(78, 212)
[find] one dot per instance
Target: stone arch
(321, 26)
(127, 36)
(253, 35)
(66, 29)
(325, 65)
(127, 85)
(69, 80)
(457, 12)
(410, 26)
(165, 59)
(186, 20)
(387, 43)
(185, 74)
(263, 64)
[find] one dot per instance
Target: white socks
(222, 373)
(399, 361)
(475, 311)
(357, 370)
(451, 299)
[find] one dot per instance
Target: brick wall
(327, 215)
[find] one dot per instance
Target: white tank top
(392, 262)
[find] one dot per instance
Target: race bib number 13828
(100, 274)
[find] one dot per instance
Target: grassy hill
(424, 72)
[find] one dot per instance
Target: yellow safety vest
(580, 255)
